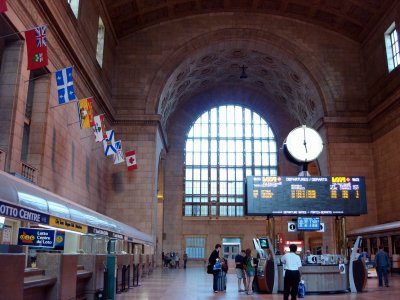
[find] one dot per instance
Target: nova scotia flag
(65, 85)
(109, 144)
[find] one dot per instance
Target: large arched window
(225, 144)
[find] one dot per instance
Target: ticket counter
(321, 278)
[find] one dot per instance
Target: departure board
(308, 195)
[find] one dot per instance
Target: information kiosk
(267, 269)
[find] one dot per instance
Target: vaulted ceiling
(352, 18)
(282, 79)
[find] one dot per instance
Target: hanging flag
(36, 44)
(119, 156)
(3, 6)
(65, 85)
(85, 111)
(109, 144)
(99, 128)
(130, 158)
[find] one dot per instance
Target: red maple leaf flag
(36, 44)
(3, 6)
(130, 158)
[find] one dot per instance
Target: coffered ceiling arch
(216, 59)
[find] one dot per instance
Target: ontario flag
(130, 158)
(36, 44)
(85, 109)
(3, 6)
(99, 128)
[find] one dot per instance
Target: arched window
(225, 144)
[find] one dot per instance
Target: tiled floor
(195, 283)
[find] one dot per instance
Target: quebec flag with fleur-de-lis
(109, 144)
(65, 85)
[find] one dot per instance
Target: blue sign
(34, 237)
(13, 211)
(308, 223)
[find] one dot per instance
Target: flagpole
(14, 33)
(71, 101)
(34, 78)
(69, 124)
(85, 137)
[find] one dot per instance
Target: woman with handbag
(211, 261)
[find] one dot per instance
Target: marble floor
(194, 283)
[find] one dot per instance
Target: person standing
(250, 271)
(292, 265)
(212, 260)
(382, 265)
(306, 256)
(185, 258)
(239, 261)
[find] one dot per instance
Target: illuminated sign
(306, 223)
(13, 211)
(33, 237)
(67, 224)
(305, 195)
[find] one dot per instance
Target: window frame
(101, 34)
(74, 5)
(392, 47)
(215, 186)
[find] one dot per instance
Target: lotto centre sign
(16, 212)
(33, 237)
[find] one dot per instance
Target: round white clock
(304, 144)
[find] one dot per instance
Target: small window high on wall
(100, 42)
(392, 47)
(74, 6)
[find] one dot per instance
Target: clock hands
(304, 142)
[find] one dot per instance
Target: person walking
(382, 265)
(240, 273)
(212, 260)
(292, 266)
(185, 258)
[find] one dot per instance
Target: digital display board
(305, 195)
(308, 223)
(264, 243)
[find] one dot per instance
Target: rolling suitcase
(221, 283)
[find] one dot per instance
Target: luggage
(302, 289)
(221, 281)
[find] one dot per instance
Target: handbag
(209, 269)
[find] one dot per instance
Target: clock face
(304, 144)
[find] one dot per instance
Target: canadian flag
(130, 158)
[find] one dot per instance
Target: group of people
(171, 259)
(245, 270)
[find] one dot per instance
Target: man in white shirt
(291, 264)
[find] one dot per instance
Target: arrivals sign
(33, 237)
